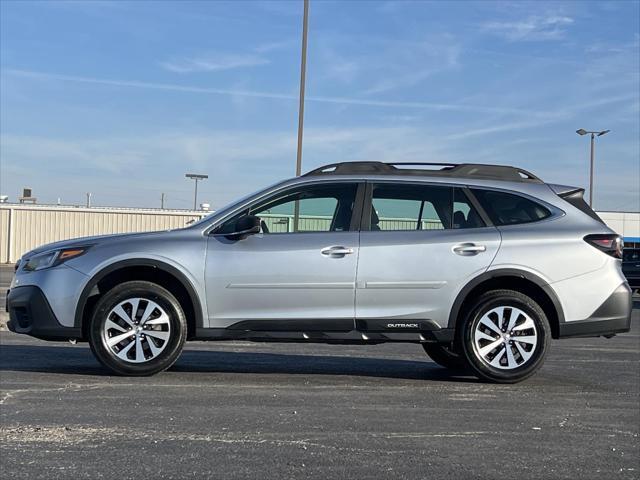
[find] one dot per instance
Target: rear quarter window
(510, 209)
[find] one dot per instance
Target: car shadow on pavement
(79, 361)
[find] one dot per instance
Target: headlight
(52, 258)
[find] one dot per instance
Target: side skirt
(356, 337)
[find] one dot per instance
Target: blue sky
(122, 98)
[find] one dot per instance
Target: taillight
(609, 244)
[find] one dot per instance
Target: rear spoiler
(562, 190)
(575, 196)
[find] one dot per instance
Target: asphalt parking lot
(248, 410)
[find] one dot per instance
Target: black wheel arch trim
(504, 272)
(139, 262)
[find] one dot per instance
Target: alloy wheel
(505, 338)
(137, 330)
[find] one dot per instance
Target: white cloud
(409, 67)
(534, 28)
(388, 64)
(86, 155)
(112, 167)
(214, 62)
(224, 61)
(563, 113)
(339, 68)
(368, 102)
(271, 46)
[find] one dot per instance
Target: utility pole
(88, 199)
(162, 201)
(581, 132)
(196, 177)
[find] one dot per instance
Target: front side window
(315, 208)
(509, 209)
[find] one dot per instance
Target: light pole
(582, 131)
(196, 177)
(303, 73)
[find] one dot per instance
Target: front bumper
(31, 314)
(613, 316)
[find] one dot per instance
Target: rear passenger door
(420, 243)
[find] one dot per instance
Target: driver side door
(299, 272)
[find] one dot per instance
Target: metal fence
(316, 223)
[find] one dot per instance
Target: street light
(581, 132)
(196, 177)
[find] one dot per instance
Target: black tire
(445, 355)
(177, 328)
(481, 367)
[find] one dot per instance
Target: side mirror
(245, 226)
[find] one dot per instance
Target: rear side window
(403, 207)
(410, 207)
(509, 209)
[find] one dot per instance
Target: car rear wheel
(445, 355)
(505, 336)
(138, 328)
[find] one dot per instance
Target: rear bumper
(613, 316)
(31, 314)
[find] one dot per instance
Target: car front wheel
(505, 336)
(138, 328)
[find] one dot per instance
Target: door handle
(336, 251)
(468, 249)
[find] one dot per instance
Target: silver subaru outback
(480, 264)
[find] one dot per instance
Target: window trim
(365, 225)
(356, 213)
(476, 204)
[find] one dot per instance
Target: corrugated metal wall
(4, 233)
(25, 227)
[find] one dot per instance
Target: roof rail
(460, 170)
